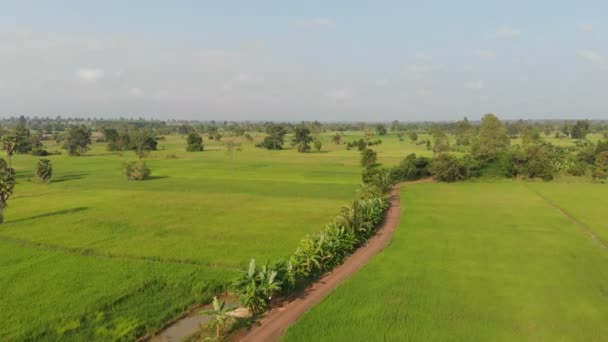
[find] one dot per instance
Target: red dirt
(276, 321)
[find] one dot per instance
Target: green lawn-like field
(92, 256)
(506, 261)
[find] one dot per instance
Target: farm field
(94, 256)
(506, 261)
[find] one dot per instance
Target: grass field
(506, 261)
(94, 256)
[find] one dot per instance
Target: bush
(194, 142)
(532, 161)
(39, 152)
(447, 168)
(136, 170)
(411, 168)
(368, 158)
(44, 170)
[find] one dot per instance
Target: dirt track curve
(277, 320)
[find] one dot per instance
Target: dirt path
(277, 320)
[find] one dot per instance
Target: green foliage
(302, 139)
(136, 170)
(220, 317)
(368, 158)
(464, 132)
(531, 161)
(77, 140)
(381, 130)
(256, 287)
(194, 142)
(23, 143)
(580, 129)
(337, 138)
(44, 170)
(492, 139)
(7, 185)
(413, 136)
(447, 168)
(275, 138)
(411, 167)
(318, 145)
(601, 166)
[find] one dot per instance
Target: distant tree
(492, 140)
(44, 170)
(318, 145)
(601, 166)
(302, 139)
(110, 134)
(316, 128)
(380, 129)
(367, 134)
(464, 132)
(143, 142)
(233, 146)
(368, 158)
(337, 138)
(395, 126)
(194, 142)
(441, 141)
(530, 135)
(565, 129)
(7, 185)
(580, 129)
(413, 136)
(23, 143)
(530, 161)
(9, 144)
(77, 140)
(275, 138)
(411, 168)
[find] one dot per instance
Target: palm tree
(221, 316)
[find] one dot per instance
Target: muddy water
(189, 325)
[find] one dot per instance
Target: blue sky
(280, 60)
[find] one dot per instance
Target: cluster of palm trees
(316, 254)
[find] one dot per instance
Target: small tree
(7, 184)
(44, 170)
(77, 140)
(413, 136)
(380, 129)
(368, 158)
(136, 170)
(302, 139)
(194, 142)
(318, 145)
(233, 146)
(221, 317)
(337, 138)
(447, 168)
(9, 144)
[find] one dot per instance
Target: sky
(305, 60)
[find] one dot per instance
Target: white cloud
(587, 28)
(421, 55)
(485, 54)
(317, 22)
(89, 74)
(591, 56)
(506, 31)
(474, 85)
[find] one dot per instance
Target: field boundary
(92, 253)
(277, 320)
(584, 227)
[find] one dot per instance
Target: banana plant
(220, 317)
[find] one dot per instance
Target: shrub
(136, 170)
(194, 142)
(531, 161)
(411, 168)
(447, 168)
(44, 170)
(601, 166)
(39, 152)
(318, 145)
(368, 158)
